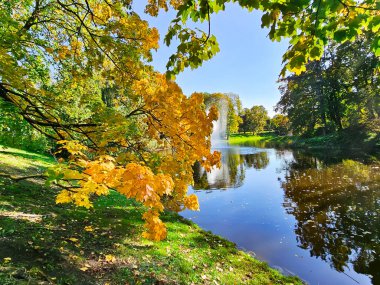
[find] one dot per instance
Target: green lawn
(45, 243)
(261, 139)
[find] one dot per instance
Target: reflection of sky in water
(296, 213)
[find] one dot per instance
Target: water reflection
(337, 209)
(334, 204)
(231, 174)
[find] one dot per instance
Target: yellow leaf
(191, 202)
(88, 229)
(63, 197)
(110, 258)
(73, 239)
(7, 259)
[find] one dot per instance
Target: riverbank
(344, 140)
(45, 243)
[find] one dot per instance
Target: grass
(263, 139)
(45, 243)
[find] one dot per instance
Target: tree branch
(19, 178)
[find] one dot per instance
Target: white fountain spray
(219, 132)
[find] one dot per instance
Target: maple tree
(77, 71)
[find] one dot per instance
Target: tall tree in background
(254, 119)
(280, 124)
(337, 92)
(234, 110)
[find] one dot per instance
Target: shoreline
(334, 142)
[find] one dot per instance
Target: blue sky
(248, 63)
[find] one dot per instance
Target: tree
(337, 92)
(234, 109)
(76, 71)
(254, 119)
(280, 124)
(16, 132)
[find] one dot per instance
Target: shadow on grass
(58, 247)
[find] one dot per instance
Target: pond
(315, 216)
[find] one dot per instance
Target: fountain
(219, 132)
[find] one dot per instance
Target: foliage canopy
(310, 25)
(76, 71)
(339, 91)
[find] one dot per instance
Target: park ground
(45, 243)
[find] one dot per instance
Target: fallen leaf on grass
(110, 258)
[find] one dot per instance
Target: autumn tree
(76, 71)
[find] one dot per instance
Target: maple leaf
(110, 258)
(88, 229)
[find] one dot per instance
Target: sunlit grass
(11, 157)
(261, 139)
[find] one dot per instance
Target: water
(316, 217)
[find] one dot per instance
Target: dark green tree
(339, 91)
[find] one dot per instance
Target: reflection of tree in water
(338, 212)
(232, 172)
(258, 160)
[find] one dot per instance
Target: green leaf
(377, 52)
(341, 35)
(265, 20)
(315, 52)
